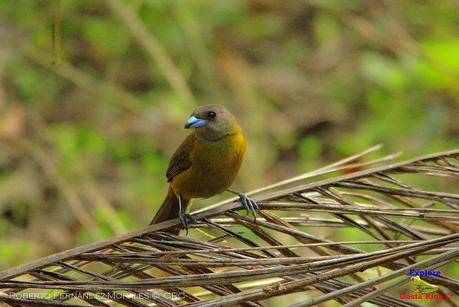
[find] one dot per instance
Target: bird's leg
(249, 204)
(184, 217)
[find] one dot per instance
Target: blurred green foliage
(84, 145)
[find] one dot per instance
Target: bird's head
(212, 122)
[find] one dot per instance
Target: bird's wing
(180, 161)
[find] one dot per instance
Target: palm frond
(350, 238)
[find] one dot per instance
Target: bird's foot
(249, 204)
(186, 219)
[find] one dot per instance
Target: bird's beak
(194, 122)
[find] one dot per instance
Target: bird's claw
(249, 205)
(186, 219)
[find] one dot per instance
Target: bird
(205, 164)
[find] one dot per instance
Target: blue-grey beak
(194, 122)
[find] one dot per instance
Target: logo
(424, 290)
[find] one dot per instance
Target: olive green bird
(205, 164)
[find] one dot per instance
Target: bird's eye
(212, 114)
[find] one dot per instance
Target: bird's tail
(169, 209)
